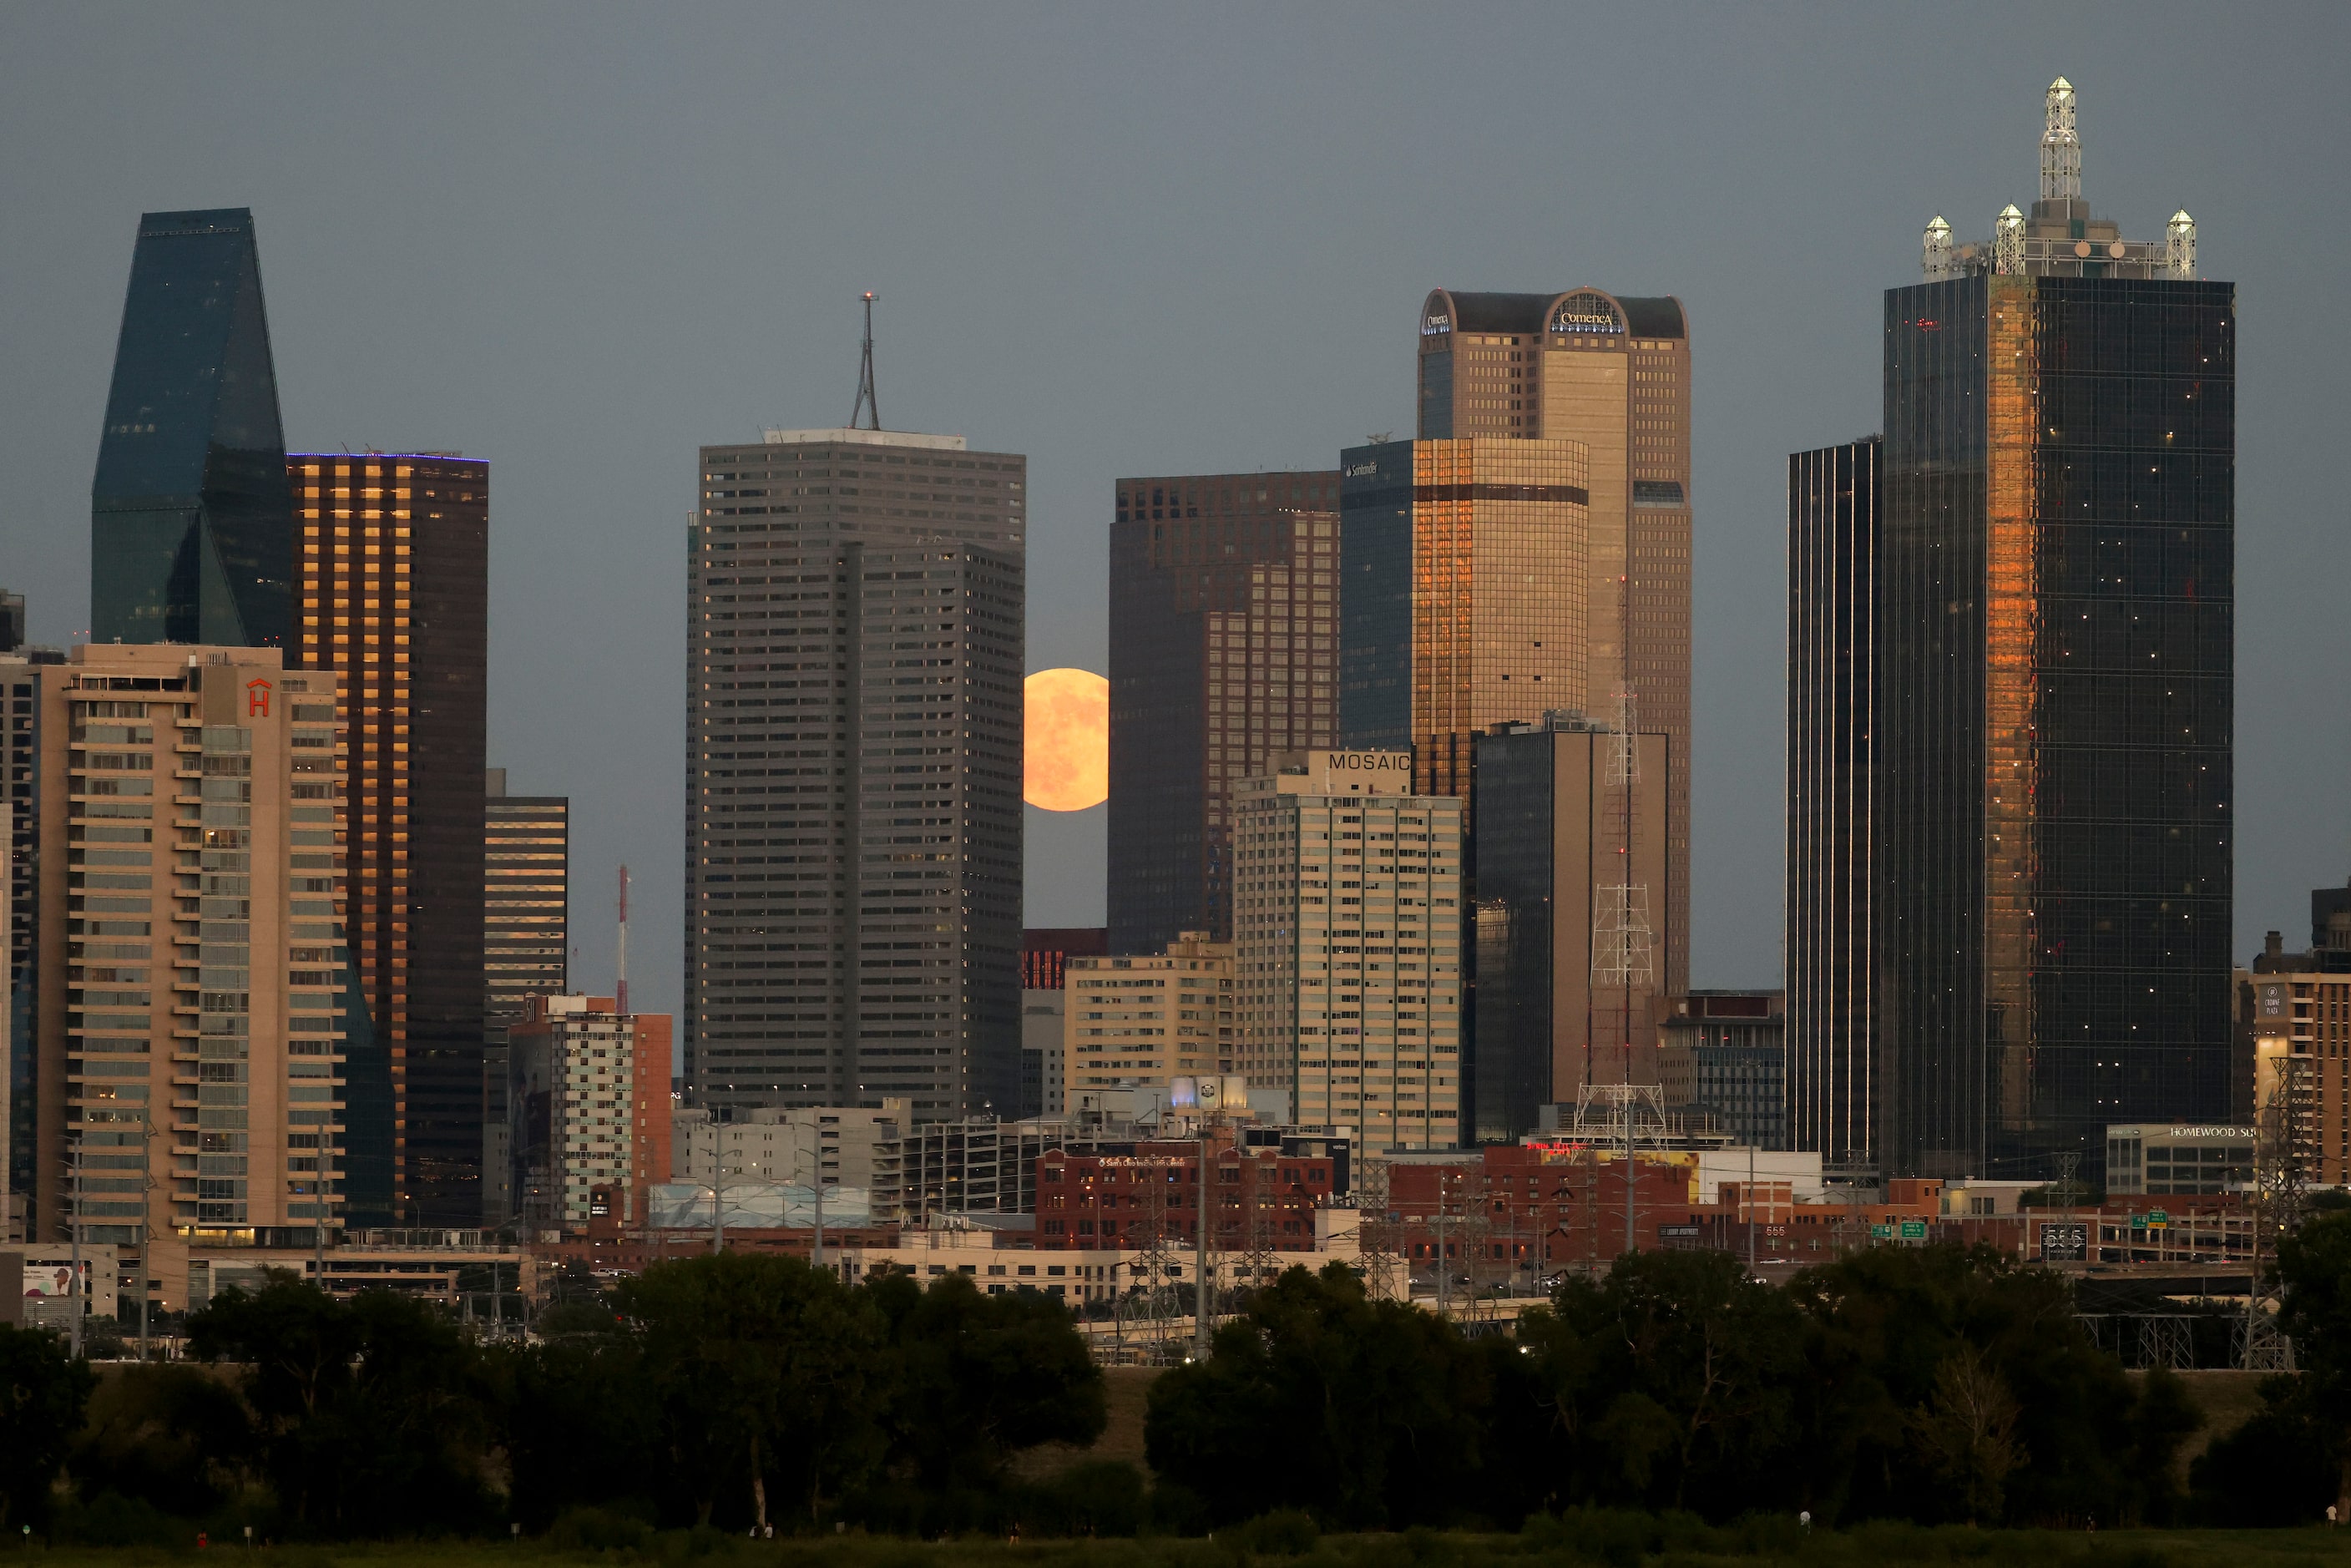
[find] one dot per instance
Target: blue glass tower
(192, 527)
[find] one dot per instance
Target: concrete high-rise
(1559, 829)
(195, 987)
(2055, 663)
(1347, 927)
(1831, 943)
(854, 744)
(1224, 589)
(526, 951)
(191, 529)
(527, 896)
(1612, 373)
(392, 560)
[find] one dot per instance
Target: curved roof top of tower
(1658, 315)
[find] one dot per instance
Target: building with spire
(2055, 617)
(853, 815)
(192, 531)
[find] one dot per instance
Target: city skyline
(2291, 841)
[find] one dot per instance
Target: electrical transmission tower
(1375, 1237)
(2278, 1168)
(1622, 962)
(867, 404)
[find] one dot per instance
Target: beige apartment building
(191, 1048)
(1149, 1017)
(1347, 925)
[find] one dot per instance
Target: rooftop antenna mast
(620, 968)
(866, 404)
(2061, 147)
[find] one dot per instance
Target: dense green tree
(168, 1434)
(2314, 1269)
(1669, 1382)
(1908, 1337)
(371, 1413)
(1368, 1415)
(579, 1422)
(42, 1394)
(762, 1368)
(978, 1378)
(2278, 1468)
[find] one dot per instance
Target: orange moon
(1066, 741)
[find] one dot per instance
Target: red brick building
(1259, 1198)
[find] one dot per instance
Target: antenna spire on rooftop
(866, 403)
(2061, 147)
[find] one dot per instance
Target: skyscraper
(192, 1051)
(393, 562)
(526, 952)
(854, 817)
(527, 895)
(2057, 559)
(1223, 591)
(1464, 561)
(1557, 1011)
(1611, 372)
(191, 532)
(1347, 945)
(1832, 901)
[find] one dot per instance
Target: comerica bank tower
(854, 817)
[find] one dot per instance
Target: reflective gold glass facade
(2055, 693)
(393, 557)
(1612, 372)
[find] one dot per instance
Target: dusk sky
(579, 241)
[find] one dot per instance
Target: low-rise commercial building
(2159, 1159)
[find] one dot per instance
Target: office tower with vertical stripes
(1832, 898)
(393, 561)
(1224, 592)
(854, 746)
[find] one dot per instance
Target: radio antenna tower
(621, 965)
(866, 403)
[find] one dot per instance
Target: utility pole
(74, 1347)
(1750, 1210)
(1626, 1106)
(1200, 1257)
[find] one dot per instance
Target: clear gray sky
(579, 240)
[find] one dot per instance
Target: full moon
(1066, 741)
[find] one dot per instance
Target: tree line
(750, 1393)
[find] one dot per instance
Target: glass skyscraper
(1832, 927)
(2057, 605)
(1224, 589)
(192, 534)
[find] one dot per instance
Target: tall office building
(2056, 570)
(1224, 589)
(1830, 955)
(19, 679)
(1045, 955)
(1563, 826)
(191, 531)
(526, 952)
(191, 1047)
(1347, 943)
(393, 561)
(854, 817)
(1611, 372)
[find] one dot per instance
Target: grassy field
(1669, 1546)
